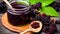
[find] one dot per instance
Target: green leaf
(49, 11)
(46, 2)
(33, 1)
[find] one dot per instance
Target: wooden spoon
(32, 29)
(9, 5)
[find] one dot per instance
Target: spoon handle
(25, 31)
(9, 4)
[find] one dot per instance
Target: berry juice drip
(18, 17)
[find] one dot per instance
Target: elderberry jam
(20, 16)
(35, 25)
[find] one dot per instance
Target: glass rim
(20, 1)
(19, 12)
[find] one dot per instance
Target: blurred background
(3, 8)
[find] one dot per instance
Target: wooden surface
(10, 27)
(6, 31)
(18, 29)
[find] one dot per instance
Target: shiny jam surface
(35, 25)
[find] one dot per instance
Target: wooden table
(18, 29)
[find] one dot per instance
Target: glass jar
(20, 16)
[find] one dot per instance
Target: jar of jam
(19, 17)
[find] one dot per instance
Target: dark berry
(37, 6)
(46, 29)
(43, 14)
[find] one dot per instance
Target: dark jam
(35, 25)
(19, 17)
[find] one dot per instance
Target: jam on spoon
(35, 25)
